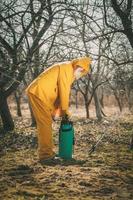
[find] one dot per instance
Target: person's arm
(64, 85)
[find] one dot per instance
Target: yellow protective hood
(83, 62)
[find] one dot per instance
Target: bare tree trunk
(131, 142)
(5, 114)
(33, 121)
(118, 101)
(76, 100)
(86, 107)
(97, 107)
(87, 111)
(17, 99)
(101, 99)
(129, 99)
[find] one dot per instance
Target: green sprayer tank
(66, 140)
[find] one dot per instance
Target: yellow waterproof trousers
(43, 119)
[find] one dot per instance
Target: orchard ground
(105, 174)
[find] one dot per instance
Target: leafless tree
(122, 20)
(23, 27)
(77, 39)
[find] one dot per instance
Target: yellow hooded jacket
(54, 84)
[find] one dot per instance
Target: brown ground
(106, 174)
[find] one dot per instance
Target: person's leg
(44, 127)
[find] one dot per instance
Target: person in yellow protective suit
(49, 95)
